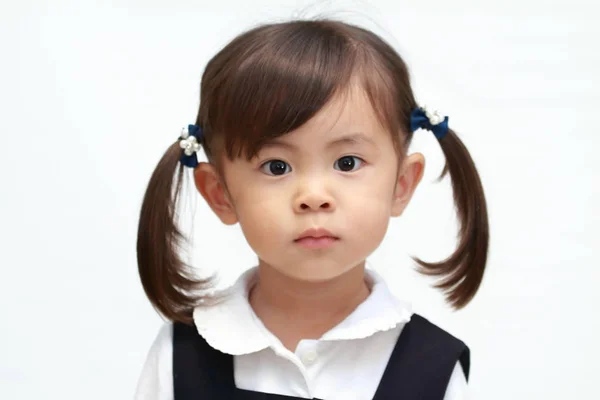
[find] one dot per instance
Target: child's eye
(275, 167)
(348, 163)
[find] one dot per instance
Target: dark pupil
(277, 167)
(346, 163)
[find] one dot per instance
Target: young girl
(306, 126)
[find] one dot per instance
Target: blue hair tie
(424, 118)
(190, 143)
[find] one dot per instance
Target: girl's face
(338, 174)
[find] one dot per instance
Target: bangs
(274, 78)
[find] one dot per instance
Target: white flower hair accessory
(189, 141)
(435, 118)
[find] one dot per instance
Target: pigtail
(166, 279)
(462, 272)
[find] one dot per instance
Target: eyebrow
(350, 139)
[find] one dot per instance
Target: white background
(92, 93)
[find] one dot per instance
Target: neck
(293, 309)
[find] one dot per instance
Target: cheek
(370, 208)
(374, 195)
(260, 217)
(371, 214)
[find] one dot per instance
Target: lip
(316, 238)
(316, 233)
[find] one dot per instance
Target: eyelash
(263, 166)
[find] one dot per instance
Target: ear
(409, 176)
(210, 186)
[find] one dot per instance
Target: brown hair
(269, 81)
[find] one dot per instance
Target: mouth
(316, 239)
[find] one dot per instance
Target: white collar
(232, 327)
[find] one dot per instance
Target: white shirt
(359, 347)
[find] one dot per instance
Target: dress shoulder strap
(422, 363)
(198, 368)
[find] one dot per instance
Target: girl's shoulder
(156, 379)
(162, 347)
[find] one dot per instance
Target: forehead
(349, 117)
(347, 109)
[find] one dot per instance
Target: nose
(313, 198)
